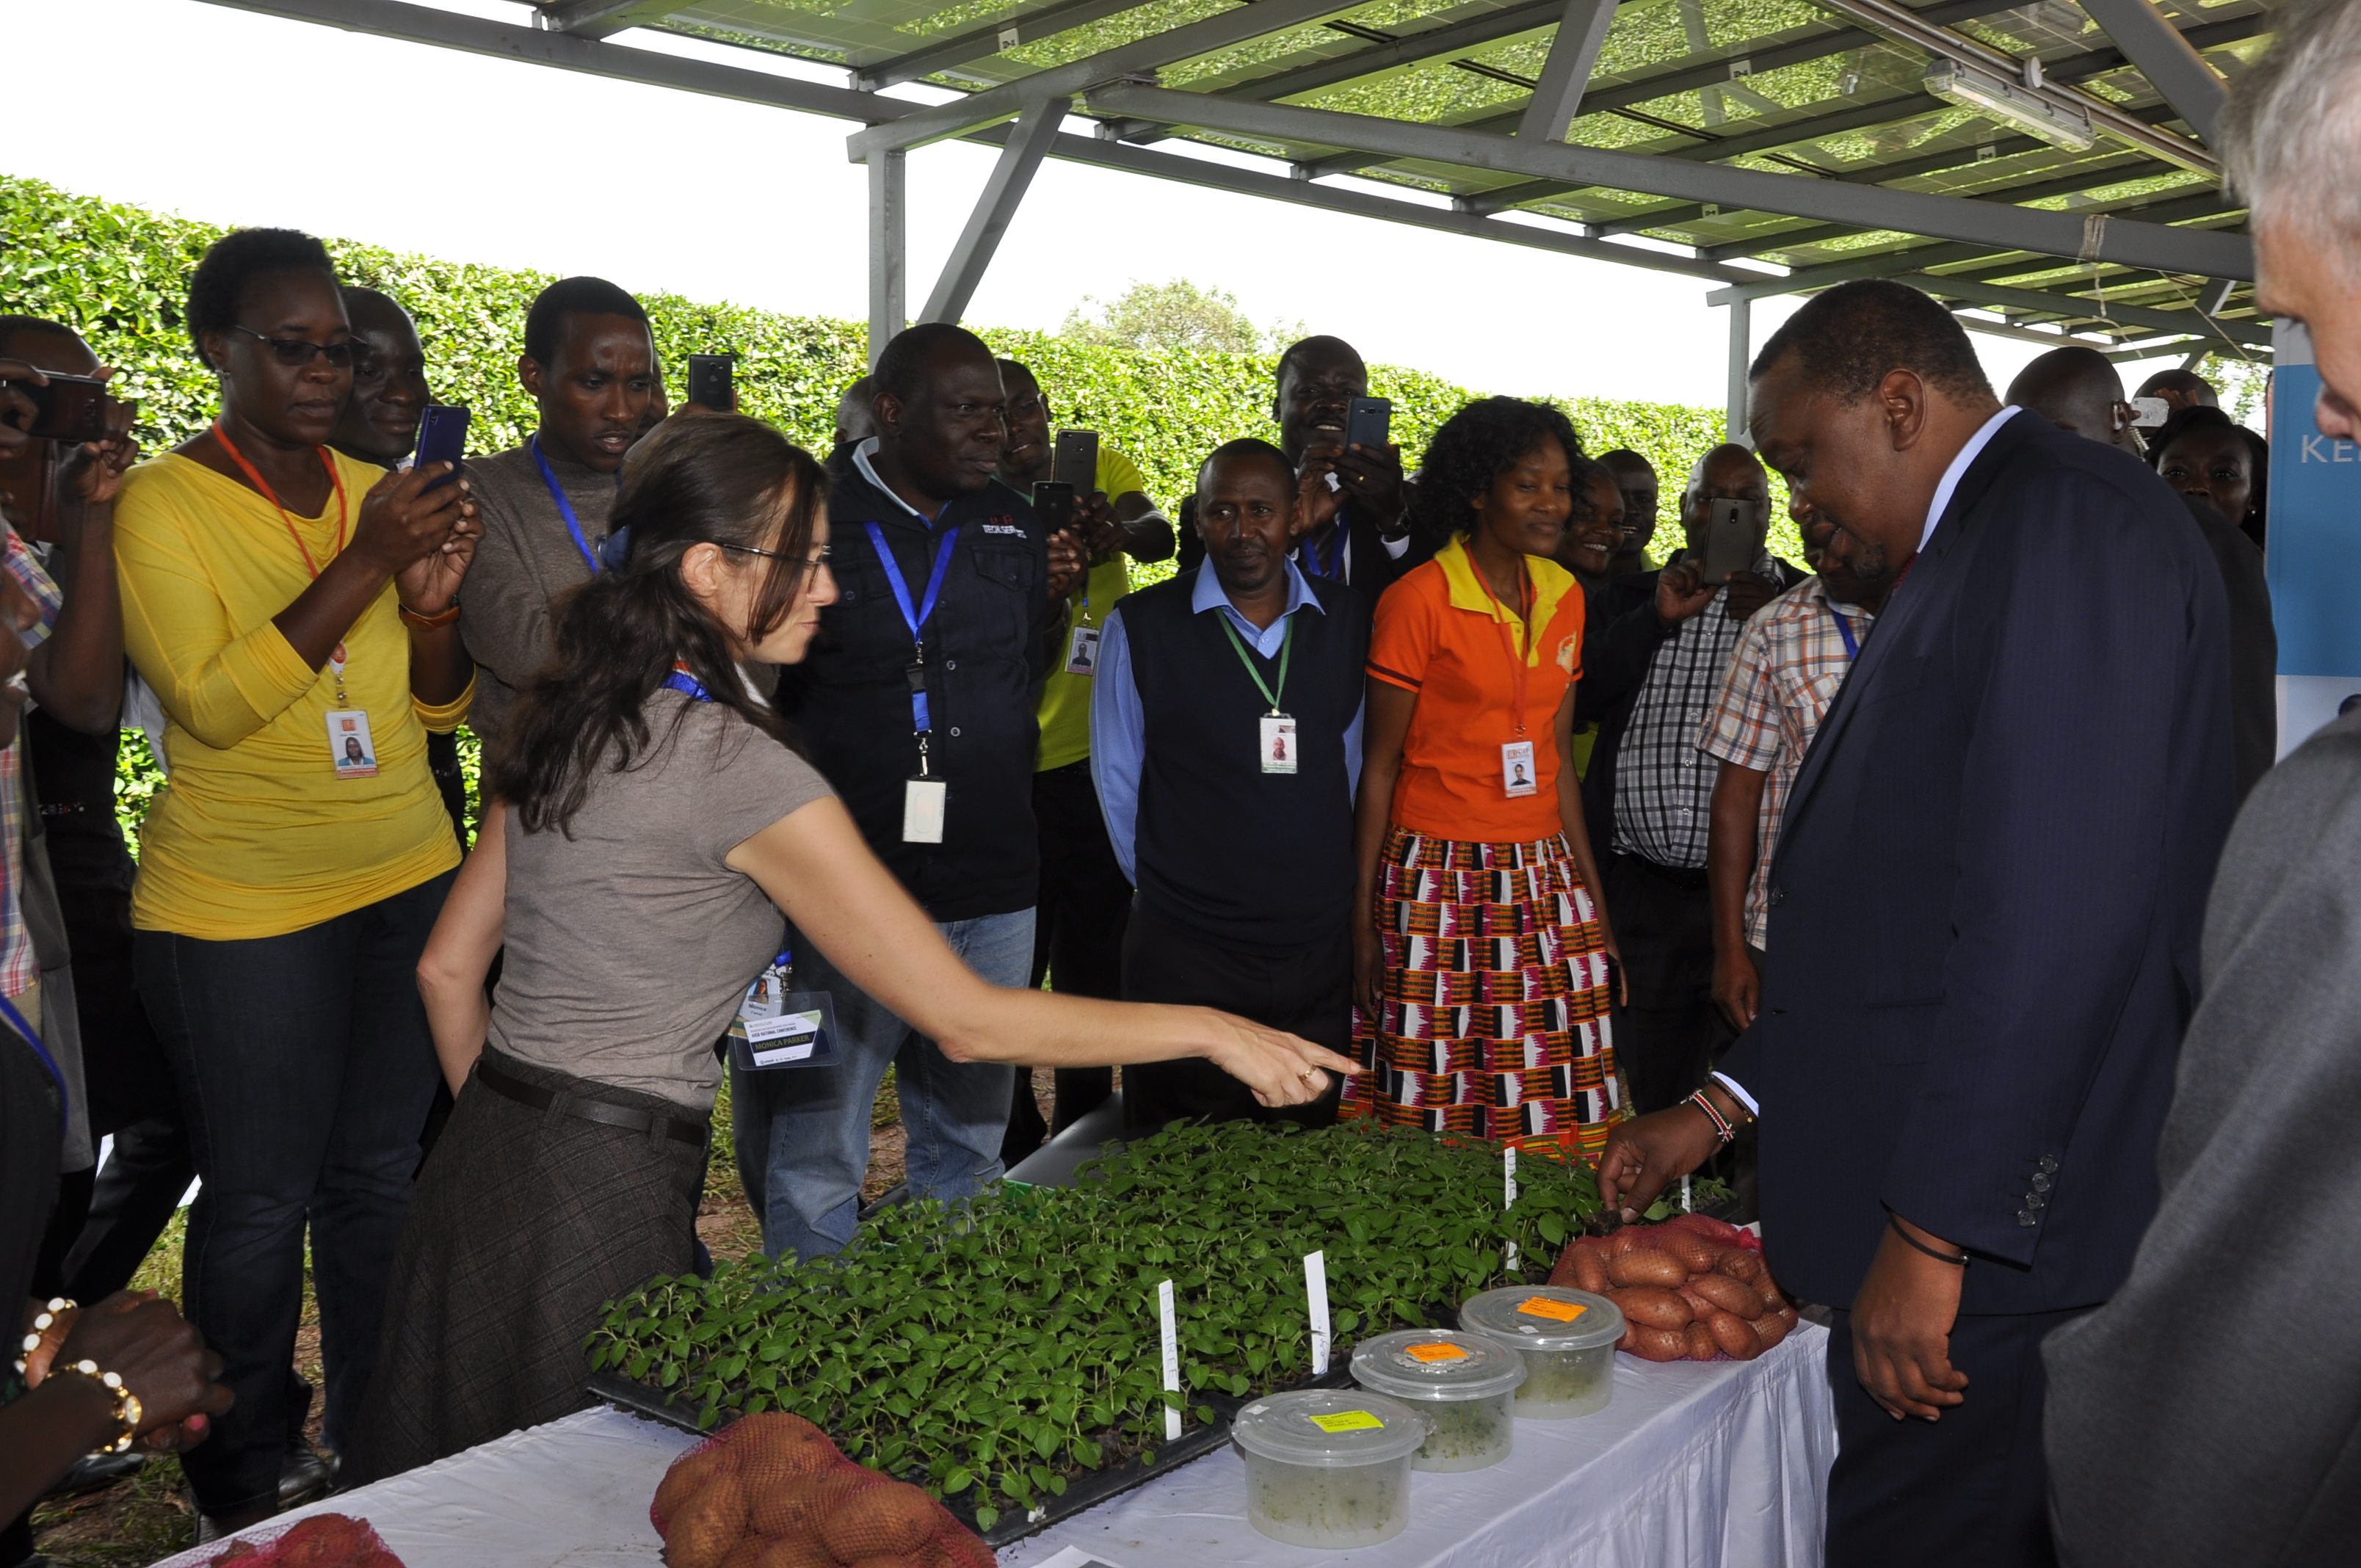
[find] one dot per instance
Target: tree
(1178, 315)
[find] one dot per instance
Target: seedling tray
(1082, 1492)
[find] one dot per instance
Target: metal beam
(1409, 49)
(1557, 97)
(1869, 206)
(888, 251)
(981, 43)
(1012, 175)
(2171, 65)
(1224, 30)
(2070, 307)
(1741, 349)
(604, 18)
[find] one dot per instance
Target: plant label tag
(1428, 1355)
(922, 810)
(350, 748)
(1517, 775)
(1082, 653)
(1508, 1169)
(1544, 1307)
(1171, 1358)
(1348, 1420)
(1315, 1286)
(1278, 748)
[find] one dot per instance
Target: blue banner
(2315, 549)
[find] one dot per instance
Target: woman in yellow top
(283, 599)
(1479, 942)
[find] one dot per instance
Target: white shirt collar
(860, 456)
(1951, 474)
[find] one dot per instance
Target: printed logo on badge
(1278, 748)
(349, 745)
(1518, 775)
(1083, 653)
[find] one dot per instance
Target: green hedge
(117, 274)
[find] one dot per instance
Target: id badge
(922, 810)
(777, 1027)
(1082, 653)
(1517, 771)
(350, 746)
(1279, 747)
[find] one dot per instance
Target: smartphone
(1053, 503)
(1368, 422)
(1734, 535)
(712, 382)
(2149, 412)
(72, 409)
(1077, 461)
(442, 438)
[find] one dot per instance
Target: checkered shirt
(1791, 660)
(18, 968)
(1663, 787)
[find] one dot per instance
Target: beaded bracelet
(127, 1404)
(43, 1322)
(1721, 1126)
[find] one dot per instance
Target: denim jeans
(803, 1133)
(305, 1068)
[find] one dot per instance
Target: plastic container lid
(1436, 1364)
(1333, 1426)
(1544, 1317)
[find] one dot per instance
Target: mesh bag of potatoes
(771, 1491)
(322, 1541)
(1691, 1289)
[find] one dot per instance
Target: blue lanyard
(32, 1036)
(915, 619)
(1844, 629)
(1334, 571)
(564, 507)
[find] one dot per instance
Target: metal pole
(1741, 343)
(888, 314)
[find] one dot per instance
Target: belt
(1690, 877)
(584, 1109)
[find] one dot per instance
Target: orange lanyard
(260, 483)
(1507, 643)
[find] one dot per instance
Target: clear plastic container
(1567, 1338)
(1328, 1467)
(1461, 1383)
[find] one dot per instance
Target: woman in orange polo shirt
(1481, 944)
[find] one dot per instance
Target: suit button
(1778, 895)
(2035, 1199)
(2041, 1181)
(2049, 1162)
(2028, 1218)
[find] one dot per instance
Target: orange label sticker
(1543, 1306)
(1433, 1353)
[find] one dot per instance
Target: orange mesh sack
(771, 1491)
(322, 1541)
(1690, 1289)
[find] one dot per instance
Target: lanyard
(1844, 629)
(564, 507)
(1508, 642)
(1286, 652)
(255, 477)
(915, 617)
(1334, 571)
(32, 1036)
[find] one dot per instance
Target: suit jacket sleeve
(1616, 652)
(2073, 661)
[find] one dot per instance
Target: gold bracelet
(43, 1322)
(127, 1404)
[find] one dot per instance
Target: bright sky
(224, 115)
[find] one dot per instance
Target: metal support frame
(981, 43)
(2000, 226)
(1741, 349)
(994, 209)
(603, 18)
(888, 251)
(2069, 306)
(2173, 66)
(1557, 97)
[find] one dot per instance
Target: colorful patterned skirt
(1493, 1012)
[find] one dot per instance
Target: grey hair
(2291, 134)
(855, 420)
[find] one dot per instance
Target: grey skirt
(524, 1224)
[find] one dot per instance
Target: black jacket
(984, 664)
(2254, 646)
(1988, 886)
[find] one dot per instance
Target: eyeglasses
(296, 352)
(817, 559)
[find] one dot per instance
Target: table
(1716, 1465)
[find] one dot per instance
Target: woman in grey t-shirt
(658, 821)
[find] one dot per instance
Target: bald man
(2078, 390)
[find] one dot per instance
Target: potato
(1702, 1345)
(1770, 1328)
(748, 1553)
(1658, 1344)
(1622, 1241)
(778, 1443)
(1740, 1265)
(1648, 1268)
(1712, 1230)
(1735, 1335)
(955, 1548)
(1696, 1254)
(1651, 1306)
(788, 1506)
(892, 1519)
(794, 1552)
(1727, 1294)
(708, 1525)
(1589, 1270)
(688, 1477)
(888, 1559)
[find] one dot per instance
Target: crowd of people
(1412, 794)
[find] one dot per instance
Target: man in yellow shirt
(1085, 899)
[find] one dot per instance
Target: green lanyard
(1286, 649)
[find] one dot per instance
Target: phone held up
(1077, 461)
(1368, 423)
(1053, 503)
(713, 382)
(71, 409)
(442, 438)
(1735, 531)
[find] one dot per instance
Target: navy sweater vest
(1223, 848)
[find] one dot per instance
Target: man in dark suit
(1987, 898)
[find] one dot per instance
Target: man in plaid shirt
(1791, 660)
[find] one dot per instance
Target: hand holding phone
(1053, 503)
(1735, 531)
(71, 409)
(442, 438)
(1077, 460)
(713, 382)
(1369, 423)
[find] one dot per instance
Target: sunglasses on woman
(296, 352)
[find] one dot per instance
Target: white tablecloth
(1719, 1466)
